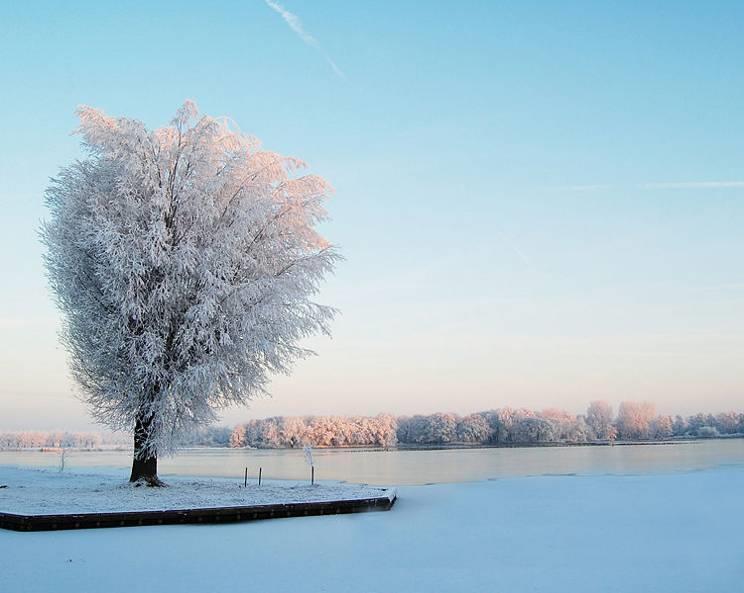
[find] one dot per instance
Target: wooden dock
(231, 514)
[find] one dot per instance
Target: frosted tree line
(36, 439)
(319, 431)
(504, 426)
(634, 421)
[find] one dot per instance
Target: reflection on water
(414, 467)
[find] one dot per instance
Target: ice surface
(670, 533)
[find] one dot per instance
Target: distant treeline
(36, 439)
(319, 431)
(634, 421)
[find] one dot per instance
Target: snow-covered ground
(677, 533)
(38, 492)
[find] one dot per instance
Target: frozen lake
(674, 532)
(415, 466)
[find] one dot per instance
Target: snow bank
(670, 533)
(38, 492)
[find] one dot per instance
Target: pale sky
(540, 204)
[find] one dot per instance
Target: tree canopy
(184, 260)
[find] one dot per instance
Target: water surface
(413, 466)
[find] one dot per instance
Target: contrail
(514, 248)
(295, 24)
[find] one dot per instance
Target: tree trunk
(144, 465)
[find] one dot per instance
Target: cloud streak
(693, 185)
(671, 185)
(294, 23)
(582, 188)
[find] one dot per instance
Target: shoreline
(402, 447)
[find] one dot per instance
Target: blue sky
(539, 203)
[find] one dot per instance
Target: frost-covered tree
(599, 419)
(533, 430)
(501, 422)
(662, 427)
(473, 429)
(184, 260)
(679, 426)
(728, 422)
(578, 431)
(565, 425)
(634, 420)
